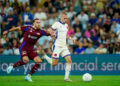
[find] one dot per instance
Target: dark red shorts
(30, 53)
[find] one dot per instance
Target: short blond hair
(64, 13)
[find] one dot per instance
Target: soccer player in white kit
(60, 46)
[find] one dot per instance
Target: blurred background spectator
(101, 49)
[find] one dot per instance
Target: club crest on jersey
(55, 54)
(30, 30)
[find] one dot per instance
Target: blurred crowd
(93, 24)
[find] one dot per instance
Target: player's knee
(26, 60)
(38, 61)
(54, 63)
(69, 61)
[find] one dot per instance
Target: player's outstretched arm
(10, 30)
(52, 32)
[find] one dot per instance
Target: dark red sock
(34, 68)
(19, 63)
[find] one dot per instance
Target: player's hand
(53, 35)
(5, 32)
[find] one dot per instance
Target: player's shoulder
(27, 26)
(60, 23)
(56, 23)
(66, 25)
(42, 29)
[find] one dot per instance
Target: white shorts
(63, 51)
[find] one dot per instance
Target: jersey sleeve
(24, 28)
(44, 32)
(54, 26)
(67, 26)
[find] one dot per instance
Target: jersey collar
(61, 22)
(35, 29)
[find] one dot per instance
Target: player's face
(37, 24)
(64, 18)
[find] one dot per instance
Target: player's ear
(33, 22)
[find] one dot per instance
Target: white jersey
(61, 33)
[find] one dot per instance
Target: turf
(58, 81)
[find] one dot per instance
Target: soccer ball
(87, 77)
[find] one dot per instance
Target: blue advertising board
(107, 64)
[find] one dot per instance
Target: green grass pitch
(58, 81)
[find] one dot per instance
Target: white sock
(49, 60)
(67, 70)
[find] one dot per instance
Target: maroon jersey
(31, 36)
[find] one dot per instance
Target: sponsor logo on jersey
(55, 54)
(32, 37)
(38, 33)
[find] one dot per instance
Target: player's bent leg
(24, 60)
(37, 61)
(49, 60)
(54, 61)
(55, 55)
(67, 68)
(68, 59)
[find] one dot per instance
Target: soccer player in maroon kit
(31, 35)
